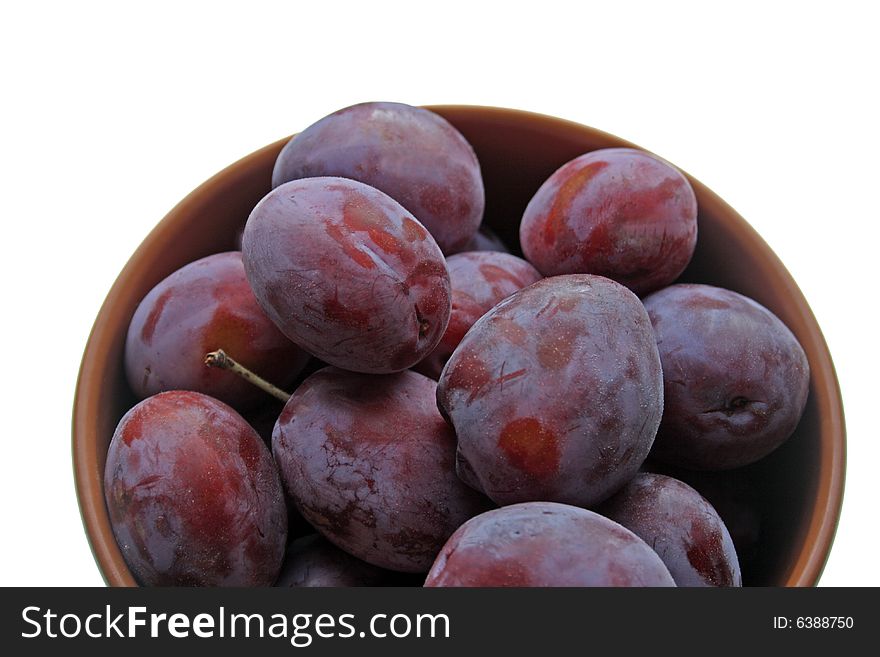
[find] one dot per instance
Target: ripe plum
(545, 544)
(412, 154)
(204, 306)
(370, 463)
(556, 393)
(616, 212)
(344, 271)
(193, 495)
(479, 280)
(735, 377)
(681, 526)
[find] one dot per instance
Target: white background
(112, 112)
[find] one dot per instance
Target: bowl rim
(824, 515)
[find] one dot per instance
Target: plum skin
(370, 463)
(204, 306)
(556, 393)
(348, 274)
(193, 495)
(681, 526)
(617, 212)
(412, 154)
(545, 544)
(736, 379)
(479, 280)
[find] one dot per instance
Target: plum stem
(222, 360)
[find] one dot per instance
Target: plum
(681, 526)
(735, 377)
(312, 561)
(735, 495)
(479, 280)
(556, 393)
(412, 154)
(204, 306)
(193, 495)
(616, 212)
(348, 274)
(545, 544)
(370, 463)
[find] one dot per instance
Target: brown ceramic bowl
(796, 492)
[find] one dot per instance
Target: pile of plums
(458, 413)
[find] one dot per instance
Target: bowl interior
(794, 495)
